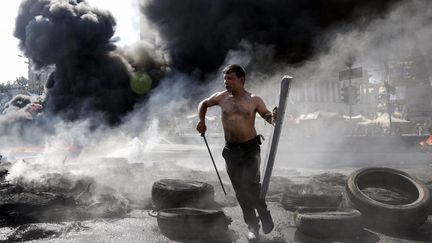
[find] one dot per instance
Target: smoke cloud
(199, 34)
(89, 78)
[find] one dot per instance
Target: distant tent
(384, 120)
(318, 115)
(359, 119)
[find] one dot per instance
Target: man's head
(234, 77)
(236, 69)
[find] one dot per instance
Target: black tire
(192, 223)
(429, 185)
(410, 214)
(292, 202)
(327, 222)
(175, 193)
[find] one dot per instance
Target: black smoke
(199, 33)
(89, 77)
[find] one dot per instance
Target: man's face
(232, 82)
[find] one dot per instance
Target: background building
(326, 95)
(413, 98)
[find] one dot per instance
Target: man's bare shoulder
(220, 95)
(216, 98)
(255, 98)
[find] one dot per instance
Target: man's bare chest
(232, 107)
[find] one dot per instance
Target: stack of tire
(184, 210)
(175, 193)
(334, 224)
(363, 210)
(318, 215)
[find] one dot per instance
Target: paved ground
(138, 226)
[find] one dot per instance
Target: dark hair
(235, 68)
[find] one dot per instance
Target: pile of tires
(176, 193)
(184, 210)
(410, 213)
(192, 223)
(329, 223)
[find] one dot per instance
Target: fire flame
(427, 142)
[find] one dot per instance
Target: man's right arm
(202, 110)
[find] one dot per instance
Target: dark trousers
(243, 167)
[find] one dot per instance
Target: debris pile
(58, 197)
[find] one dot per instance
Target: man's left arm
(269, 116)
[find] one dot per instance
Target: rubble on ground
(56, 197)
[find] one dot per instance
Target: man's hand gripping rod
(211, 156)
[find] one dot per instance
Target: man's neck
(238, 93)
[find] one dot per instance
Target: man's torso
(238, 117)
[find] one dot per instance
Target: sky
(126, 15)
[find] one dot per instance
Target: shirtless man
(242, 148)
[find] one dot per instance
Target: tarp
(384, 118)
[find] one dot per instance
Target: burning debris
(426, 145)
(29, 104)
(22, 118)
(58, 197)
(17, 102)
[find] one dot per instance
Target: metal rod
(211, 156)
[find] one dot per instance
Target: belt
(254, 141)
